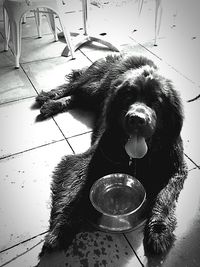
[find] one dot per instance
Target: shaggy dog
(137, 131)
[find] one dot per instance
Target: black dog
(137, 131)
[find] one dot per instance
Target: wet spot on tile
(103, 251)
(109, 238)
(82, 245)
(96, 264)
(76, 251)
(95, 243)
(97, 252)
(104, 262)
(97, 249)
(67, 254)
(84, 262)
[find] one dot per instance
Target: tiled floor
(29, 150)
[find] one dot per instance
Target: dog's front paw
(45, 96)
(158, 237)
(50, 108)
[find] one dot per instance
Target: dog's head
(144, 109)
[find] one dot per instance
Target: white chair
(14, 11)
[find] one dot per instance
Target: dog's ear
(172, 113)
(114, 102)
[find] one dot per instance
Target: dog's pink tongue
(136, 146)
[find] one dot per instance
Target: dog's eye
(160, 100)
(153, 101)
(130, 98)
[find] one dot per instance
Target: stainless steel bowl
(119, 200)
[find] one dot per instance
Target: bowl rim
(116, 215)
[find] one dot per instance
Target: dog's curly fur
(111, 87)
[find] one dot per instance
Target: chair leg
(16, 39)
(52, 23)
(6, 29)
(38, 22)
(158, 17)
(24, 19)
(67, 36)
(140, 6)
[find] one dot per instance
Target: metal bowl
(119, 200)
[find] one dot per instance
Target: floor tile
(186, 63)
(46, 75)
(73, 123)
(20, 131)
(25, 192)
(29, 28)
(186, 247)
(191, 132)
(6, 57)
(23, 255)
(42, 48)
(95, 51)
(14, 85)
(94, 249)
(177, 45)
(81, 142)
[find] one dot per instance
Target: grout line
(86, 55)
(40, 60)
(51, 116)
(63, 134)
(29, 79)
(30, 149)
(194, 168)
(21, 254)
(16, 100)
(76, 135)
(192, 161)
(22, 242)
(134, 251)
(168, 64)
(145, 48)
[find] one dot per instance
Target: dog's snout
(137, 120)
(140, 119)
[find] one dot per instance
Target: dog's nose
(138, 120)
(134, 120)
